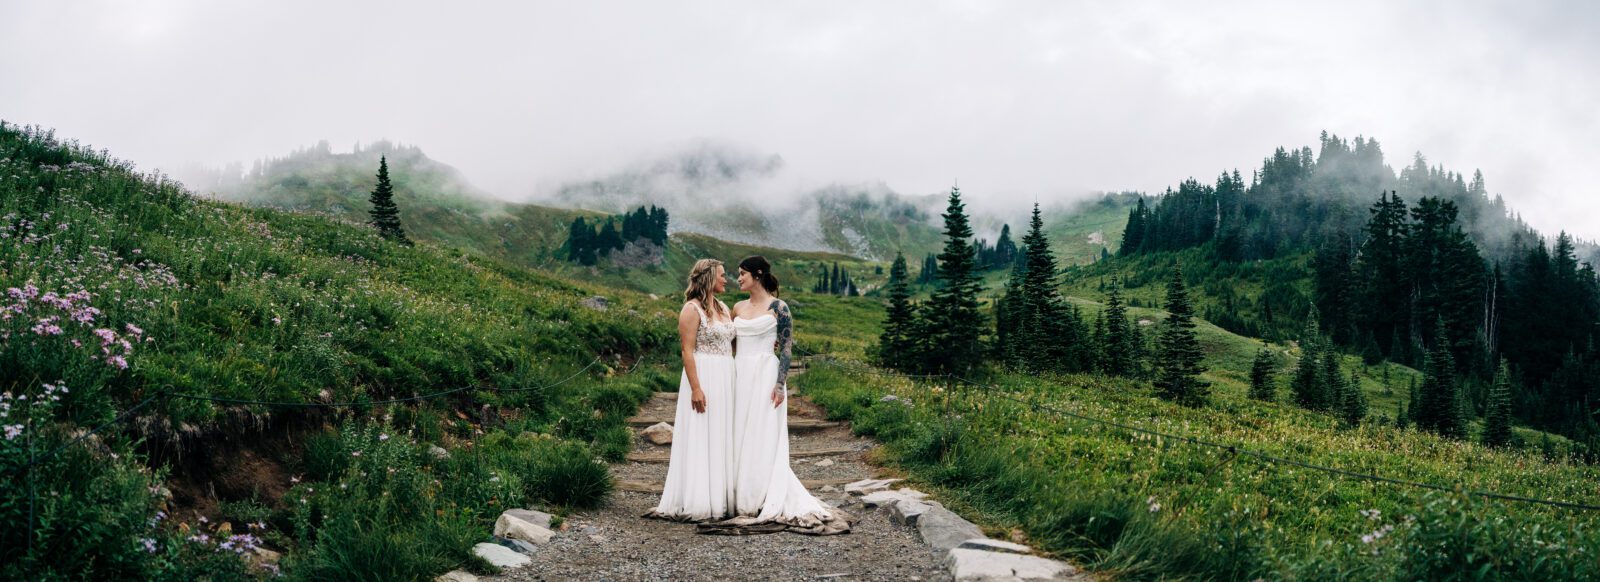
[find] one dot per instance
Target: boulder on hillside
(596, 303)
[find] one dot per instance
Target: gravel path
(614, 544)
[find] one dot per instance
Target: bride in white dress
(699, 483)
(766, 491)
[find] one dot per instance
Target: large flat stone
(878, 498)
(907, 512)
(968, 565)
(513, 527)
(501, 556)
(519, 546)
(456, 576)
(989, 545)
(866, 486)
(944, 530)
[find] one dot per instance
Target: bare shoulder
(779, 307)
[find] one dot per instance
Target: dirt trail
(615, 543)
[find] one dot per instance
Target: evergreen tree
(1308, 385)
(1497, 419)
(578, 240)
(1385, 290)
(896, 343)
(1438, 408)
(953, 322)
(1009, 314)
(1408, 413)
(929, 274)
(385, 214)
(1098, 340)
(608, 239)
(1262, 386)
(1133, 233)
(658, 226)
(1005, 251)
(1120, 351)
(1331, 269)
(1334, 389)
(1047, 336)
(1178, 368)
(1353, 406)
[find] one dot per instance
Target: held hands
(698, 400)
(778, 393)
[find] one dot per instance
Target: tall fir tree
(1120, 350)
(1046, 335)
(658, 225)
(1009, 314)
(1333, 385)
(1353, 406)
(1308, 384)
(385, 214)
(1497, 418)
(1385, 290)
(953, 322)
(578, 241)
(1262, 386)
(608, 239)
(1005, 250)
(896, 342)
(1179, 355)
(1133, 233)
(1438, 408)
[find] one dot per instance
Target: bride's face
(746, 282)
(720, 283)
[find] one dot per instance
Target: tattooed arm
(785, 349)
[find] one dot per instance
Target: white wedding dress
(700, 471)
(766, 490)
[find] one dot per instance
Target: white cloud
(1017, 100)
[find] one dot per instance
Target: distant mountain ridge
(738, 196)
(438, 204)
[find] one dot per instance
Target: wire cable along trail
(1000, 392)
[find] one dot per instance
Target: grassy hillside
(1079, 232)
(161, 316)
(1143, 507)
(438, 205)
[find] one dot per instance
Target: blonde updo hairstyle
(702, 279)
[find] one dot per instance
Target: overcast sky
(1017, 100)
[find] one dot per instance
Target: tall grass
(1143, 507)
(120, 286)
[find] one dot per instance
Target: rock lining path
(614, 543)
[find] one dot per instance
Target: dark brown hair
(759, 268)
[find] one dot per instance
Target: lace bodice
(713, 337)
